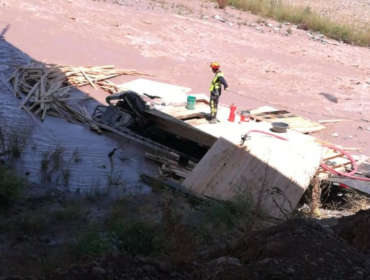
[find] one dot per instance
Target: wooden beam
(88, 79)
(30, 93)
(179, 128)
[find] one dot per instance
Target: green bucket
(190, 104)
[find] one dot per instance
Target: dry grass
(346, 11)
(318, 16)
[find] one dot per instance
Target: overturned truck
(127, 114)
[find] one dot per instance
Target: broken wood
(168, 161)
(333, 121)
(88, 79)
(42, 84)
(172, 186)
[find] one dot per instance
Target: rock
(290, 271)
(234, 244)
(299, 231)
(349, 136)
(59, 271)
(227, 260)
(274, 249)
(139, 270)
(44, 239)
(147, 268)
(328, 230)
(97, 271)
(335, 135)
(317, 226)
(164, 267)
(264, 261)
(94, 263)
(24, 238)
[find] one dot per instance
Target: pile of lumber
(44, 83)
(111, 87)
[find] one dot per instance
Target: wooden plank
(29, 94)
(167, 161)
(177, 172)
(333, 121)
(173, 186)
(181, 112)
(295, 122)
(195, 122)
(88, 79)
(277, 171)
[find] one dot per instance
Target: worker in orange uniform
(215, 90)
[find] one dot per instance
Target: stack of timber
(111, 87)
(43, 84)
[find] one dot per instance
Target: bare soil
(263, 64)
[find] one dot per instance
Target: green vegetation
(14, 138)
(92, 242)
(33, 223)
(70, 213)
(305, 18)
(56, 165)
(139, 237)
(11, 185)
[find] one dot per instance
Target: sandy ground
(176, 41)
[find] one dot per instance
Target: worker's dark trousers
(213, 103)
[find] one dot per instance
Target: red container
(245, 116)
(232, 113)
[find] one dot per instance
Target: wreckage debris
(48, 86)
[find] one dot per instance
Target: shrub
(11, 185)
(138, 237)
(71, 212)
(232, 214)
(92, 242)
(222, 3)
(14, 138)
(340, 33)
(33, 223)
(307, 19)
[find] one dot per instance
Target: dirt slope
(177, 40)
